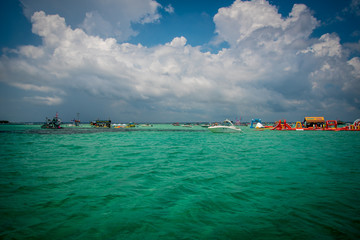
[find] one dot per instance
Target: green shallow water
(171, 182)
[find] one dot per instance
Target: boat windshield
(228, 123)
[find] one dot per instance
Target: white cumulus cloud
(111, 18)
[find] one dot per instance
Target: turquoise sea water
(171, 182)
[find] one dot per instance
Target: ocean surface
(167, 182)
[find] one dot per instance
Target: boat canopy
(314, 119)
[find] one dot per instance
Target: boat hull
(224, 129)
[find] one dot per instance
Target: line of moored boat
(309, 124)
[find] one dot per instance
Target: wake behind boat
(227, 127)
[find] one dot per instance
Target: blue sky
(166, 61)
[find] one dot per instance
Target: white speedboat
(227, 127)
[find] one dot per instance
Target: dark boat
(101, 123)
(52, 124)
(76, 121)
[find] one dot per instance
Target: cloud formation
(273, 67)
(111, 18)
